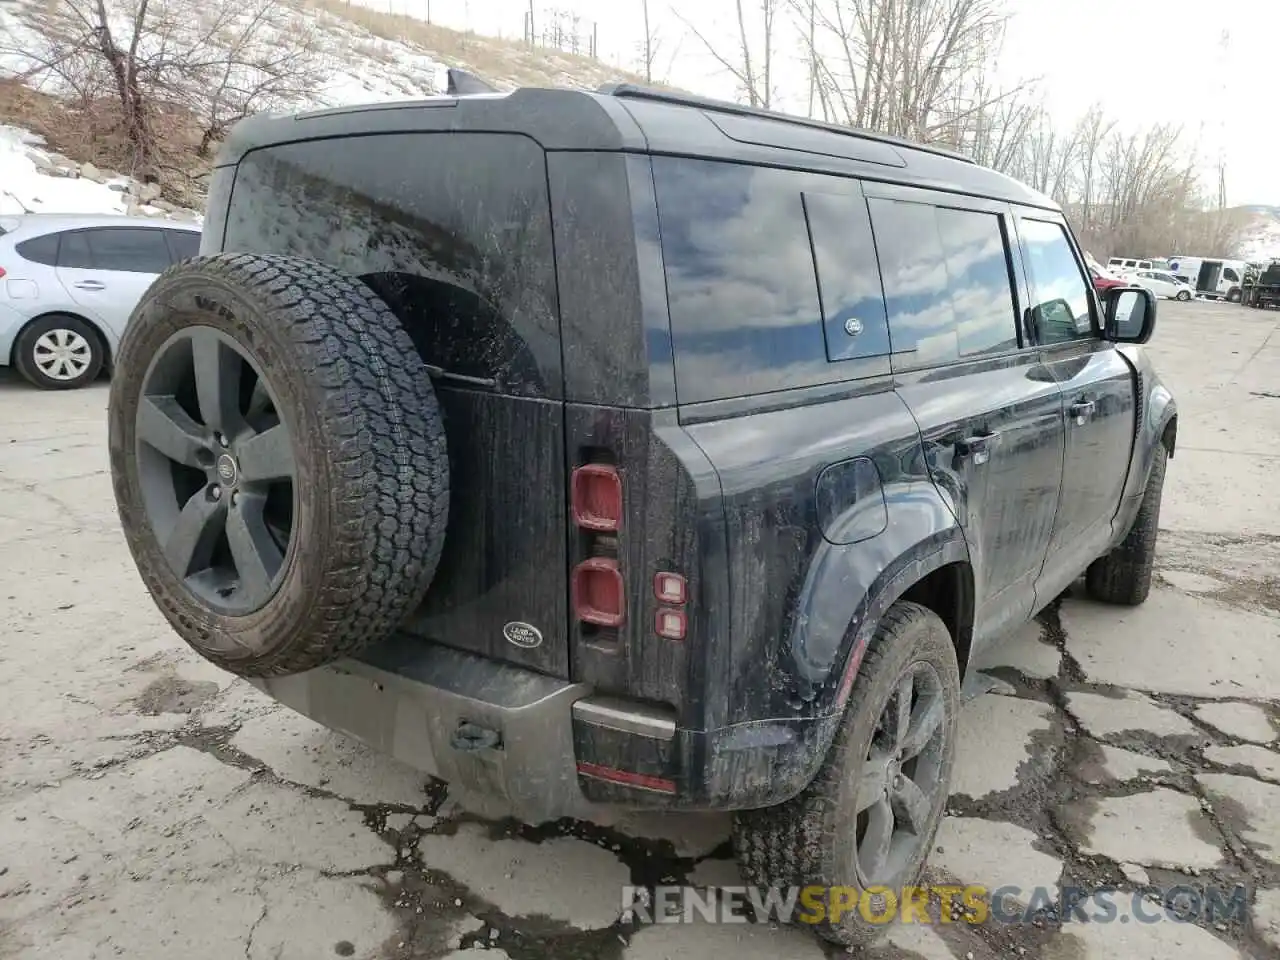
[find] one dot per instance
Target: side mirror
(1130, 314)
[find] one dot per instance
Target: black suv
(626, 448)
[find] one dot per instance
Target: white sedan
(1162, 284)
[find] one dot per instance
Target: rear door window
(1061, 308)
(128, 249)
(74, 251)
(1230, 274)
(183, 244)
(946, 282)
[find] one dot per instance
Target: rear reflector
(670, 624)
(596, 497)
(669, 588)
(626, 778)
(598, 595)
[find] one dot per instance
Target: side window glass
(1060, 305)
(75, 252)
(853, 314)
(741, 287)
(946, 282)
(921, 319)
(981, 294)
(183, 244)
(40, 249)
(132, 250)
(1230, 274)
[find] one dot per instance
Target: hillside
(343, 54)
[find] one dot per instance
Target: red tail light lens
(598, 595)
(596, 497)
(1, 273)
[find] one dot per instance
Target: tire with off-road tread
(1123, 575)
(890, 761)
(59, 352)
(279, 461)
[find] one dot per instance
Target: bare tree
(218, 61)
(915, 68)
(751, 64)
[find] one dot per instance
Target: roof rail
(632, 91)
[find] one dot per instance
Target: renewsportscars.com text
(960, 904)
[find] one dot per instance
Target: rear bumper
(428, 706)
(547, 748)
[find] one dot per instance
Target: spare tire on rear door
(279, 461)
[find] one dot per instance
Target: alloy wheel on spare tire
(867, 821)
(279, 461)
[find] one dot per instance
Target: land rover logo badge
(853, 326)
(522, 634)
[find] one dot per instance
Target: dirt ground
(152, 806)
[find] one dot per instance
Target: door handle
(1081, 411)
(90, 285)
(977, 447)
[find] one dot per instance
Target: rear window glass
(40, 249)
(853, 314)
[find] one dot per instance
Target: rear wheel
(868, 819)
(59, 353)
(1184, 295)
(1124, 575)
(279, 461)
(1233, 295)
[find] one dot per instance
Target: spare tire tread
(380, 431)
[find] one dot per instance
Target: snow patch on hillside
(34, 179)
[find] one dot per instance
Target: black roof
(628, 118)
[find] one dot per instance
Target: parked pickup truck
(626, 448)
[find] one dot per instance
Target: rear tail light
(669, 588)
(596, 497)
(598, 593)
(1, 273)
(670, 624)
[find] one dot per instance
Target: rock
(90, 172)
(1135, 874)
(118, 187)
(164, 205)
(149, 191)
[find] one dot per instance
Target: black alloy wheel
(216, 466)
(901, 777)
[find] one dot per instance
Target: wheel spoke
(256, 556)
(217, 369)
(871, 785)
(925, 721)
(910, 805)
(873, 850)
(902, 710)
(166, 427)
(266, 456)
(189, 545)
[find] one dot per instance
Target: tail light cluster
(598, 587)
(599, 594)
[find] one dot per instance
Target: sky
(1146, 63)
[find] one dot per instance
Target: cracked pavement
(153, 806)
